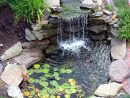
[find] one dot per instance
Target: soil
(10, 31)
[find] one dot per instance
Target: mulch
(10, 31)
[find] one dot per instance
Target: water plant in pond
(51, 84)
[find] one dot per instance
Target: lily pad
(46, 70)
(54, 83)
(46, 66)
(36, 66)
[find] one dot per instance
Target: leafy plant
(2, 2)
(124, 18)
(28, 10)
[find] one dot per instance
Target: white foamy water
(73, 46)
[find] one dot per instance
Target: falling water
(76, 40)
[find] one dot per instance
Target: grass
(124, 18)
(28, 10)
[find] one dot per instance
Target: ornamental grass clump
(28, 10)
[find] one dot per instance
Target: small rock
(126, 86)
(114, 16)
(87, 4)
(107, 12)
(12, 52)
(42, 44)
(97, 14)
(114, 32)
(36, 27)
(108, 19)
(118, 48)
(116, 25)
(13, 74)
(15, 92)
(1, 68)
(38, 35)
(29, 35)
(108, 90)
(1, 45)
(58, 9)
(114, 21)
(53, 3)
(119, 70)
(29, 57)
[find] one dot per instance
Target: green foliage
(3, 2)
(28, 10)
(124, 18)
(126, 96)
(109, 7)
(53, 82)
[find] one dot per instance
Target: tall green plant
(124, 18)
(28, 10)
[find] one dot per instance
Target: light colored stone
(53, 3)
(29, 57)
(12, 52)
(108, 90)
(118, 48)
(38, 35)
(13, 74)
(119, 71)
(87, 4)
(107, 12)
(126, 86)
(29, 35)
(15, 92)
(114, 21)
(97, 14)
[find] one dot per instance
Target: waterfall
(76, 39)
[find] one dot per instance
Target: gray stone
(1, 68)
(29, 35)
(98, 29)
(114, 21)
(43, 44)
(38, 35)
(118, 48)
(119, 70)
(12, 51)
(29, 57)
(116, 25)
(36, 27)
(114, 32)
(87, 4)
(53, 3)
(13, 74)
(97, 14)
(108, 90)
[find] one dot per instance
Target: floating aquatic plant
(51, 82)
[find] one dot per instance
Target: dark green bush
(2, 2)
(28, 10)
(124, 18)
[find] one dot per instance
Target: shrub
(2, 2)
(28, 10)
(124, 18)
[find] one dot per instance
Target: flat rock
(13, 74)
(29, 35)
(119, 71)
(43, 44)
(118, 48)
(126, 85)
(108, 90)
(29, 57)
(87, 4)
(98, 29)
(12, 51)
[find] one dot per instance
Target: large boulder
(118, 48)
(13, 74)
(29, 57)
(108, 90)
(119, 70)
(12, 52)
